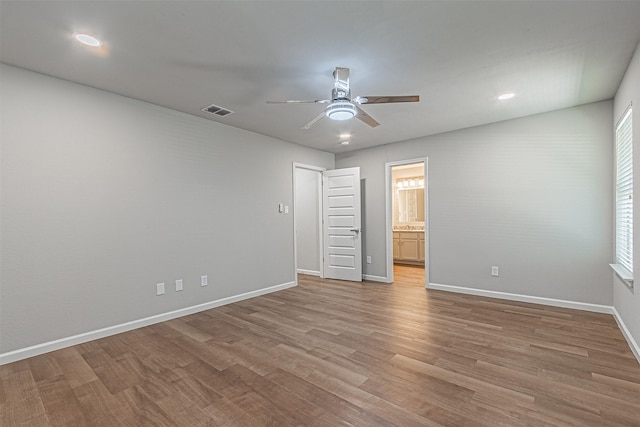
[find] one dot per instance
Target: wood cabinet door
(409, 249)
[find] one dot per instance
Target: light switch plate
(160, 289)
(203, 281)
(179, 285)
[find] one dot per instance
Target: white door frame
(295, 212)
(389, 217)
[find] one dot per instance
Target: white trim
(308, 272)
(635, 348)
(388, 222)
(318, 169)
(58, 344)
(597, 308)
(625, 275)
(624, 192)
(388, 166)
(375, 278)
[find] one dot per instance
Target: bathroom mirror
(410, 205)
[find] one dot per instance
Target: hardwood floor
(330, 353)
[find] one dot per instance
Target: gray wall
(104, 196)
(626, 300)
(307, 188)
(532, 196)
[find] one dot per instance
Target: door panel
(341, 241)
(342, 224)
(345, 261)
(341, 221)
(341, 201)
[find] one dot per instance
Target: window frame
(624, 197)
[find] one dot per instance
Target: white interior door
(341, 226)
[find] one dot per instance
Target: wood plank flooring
(332, 353)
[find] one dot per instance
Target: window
(624, 196)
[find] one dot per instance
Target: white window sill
(623, 273)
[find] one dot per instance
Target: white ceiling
(457, 55)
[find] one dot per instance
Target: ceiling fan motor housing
(340, 94)
(341, 107)
(341, 90)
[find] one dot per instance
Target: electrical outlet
(179, 285)
(495, 271)
(203, 281)
(160, 289)
(286, 209)
(368, 259)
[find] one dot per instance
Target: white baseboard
(308, 272)
(635, 348)
(35, 350)
(375, 278)
(597, 308)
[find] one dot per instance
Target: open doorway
(407, 222)
(307, 219)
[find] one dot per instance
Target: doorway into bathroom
(407, 217)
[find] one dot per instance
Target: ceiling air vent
(217, 110)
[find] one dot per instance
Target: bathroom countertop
(409, 228)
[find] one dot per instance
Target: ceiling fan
(342, 106)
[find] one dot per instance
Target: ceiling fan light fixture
(341, 110)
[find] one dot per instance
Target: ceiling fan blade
(362, 115)
(296, 101)
(313, 121)
(385, 99)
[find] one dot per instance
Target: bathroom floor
(408, 275)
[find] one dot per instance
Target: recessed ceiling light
(505, 96)
(345, 135)
(86, 39)
(345, 142)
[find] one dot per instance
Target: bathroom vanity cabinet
(408, 247)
